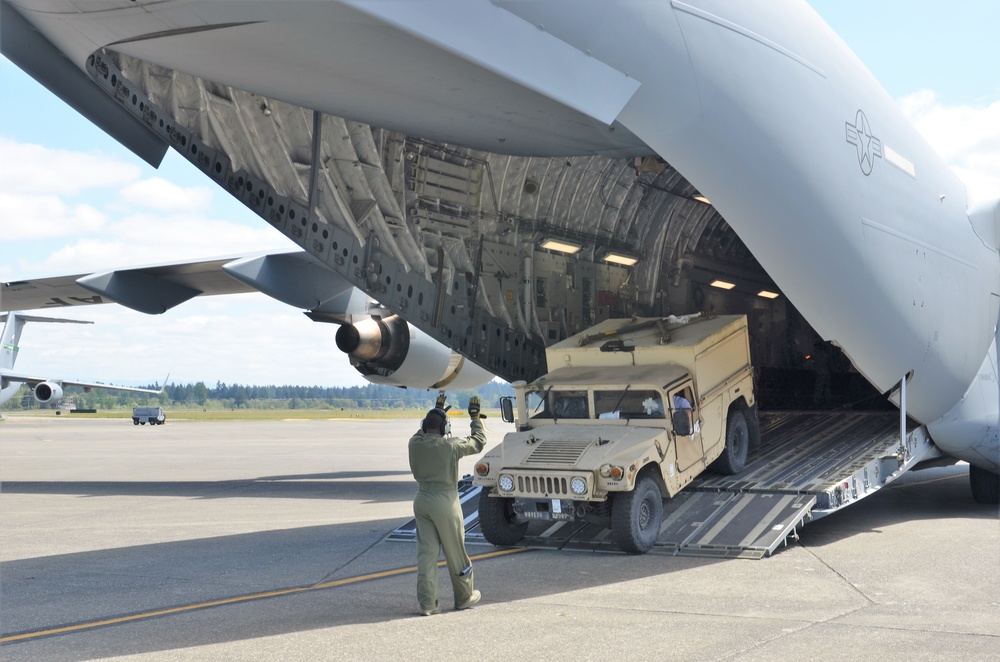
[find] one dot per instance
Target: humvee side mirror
(682, 422)
(507, 409)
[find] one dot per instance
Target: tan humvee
(632, 410)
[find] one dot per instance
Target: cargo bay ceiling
(493, 253)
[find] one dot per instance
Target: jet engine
(48, 392)
(388, 350)
(384, 348)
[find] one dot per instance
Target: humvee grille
(543, 485)
(565, 453)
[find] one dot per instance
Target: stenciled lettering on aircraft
(869, 147)
(73, 301)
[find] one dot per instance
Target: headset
(438, 413)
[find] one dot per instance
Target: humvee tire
(636, 516)
(734, 455)
(496, 520)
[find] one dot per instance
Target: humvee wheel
(985, 485)
(636, 516)
(496, 520)
(734, 455)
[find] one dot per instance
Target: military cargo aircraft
(45, 389)
(503, 174)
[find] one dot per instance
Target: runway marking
(24, 636)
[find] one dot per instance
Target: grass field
(248, 414)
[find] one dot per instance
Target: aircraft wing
(150, 289)
(11, 377)
(292, 277)
(402, 356)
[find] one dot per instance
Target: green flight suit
(440, 524)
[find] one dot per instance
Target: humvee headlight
(578, 486)
(614, 473)
(483, 469)
(506, 483)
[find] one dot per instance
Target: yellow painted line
(235, 600)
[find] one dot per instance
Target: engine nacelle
(48, 392)
(389, 350)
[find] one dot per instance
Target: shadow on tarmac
(334, 485)
(107, 583)
(102, 585)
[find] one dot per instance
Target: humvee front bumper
(549, 509)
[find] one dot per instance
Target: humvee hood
(572, 446)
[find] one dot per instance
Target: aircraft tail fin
(12, 334)
(8, 341)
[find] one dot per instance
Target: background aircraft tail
(12, 334)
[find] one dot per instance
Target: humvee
(630, 412)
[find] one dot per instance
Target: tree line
(239, 396)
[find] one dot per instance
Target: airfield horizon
(202, 414)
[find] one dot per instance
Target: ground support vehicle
(151, 415)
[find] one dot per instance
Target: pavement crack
(843, 578)
(328, 576)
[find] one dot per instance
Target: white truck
(151, 415)
(631, 410)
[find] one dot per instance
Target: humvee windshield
(628, 403)
(565, 403)
(608, 404)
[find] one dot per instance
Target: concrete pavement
(265, 540)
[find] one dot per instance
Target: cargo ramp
(808, 465)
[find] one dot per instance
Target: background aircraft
(44, 389)
(623, 158)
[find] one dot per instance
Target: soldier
(434, 456)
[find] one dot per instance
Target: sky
(73, 201)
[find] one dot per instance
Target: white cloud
(967, 137)
(80, 256)
(158, 193)
(187, 236)
(94, 212)
(26, 168)
(34, 216)
(143, 240)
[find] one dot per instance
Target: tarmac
(266, 541)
